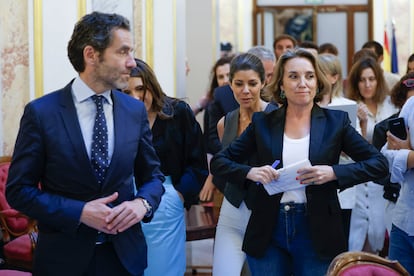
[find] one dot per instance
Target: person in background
(328, 48)
(400, 93)
(410, 64)
(187, 67)
(247, 79)
(282, 43)
(90, 202)
(363, 53)
(309, 46)
(177, 139)
(268, 59)
(224, 102)
(331, 66)
(219, 77)
(390, 78)
(297, 232)
(366, 85)
(401, 163)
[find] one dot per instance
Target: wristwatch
(147, 206)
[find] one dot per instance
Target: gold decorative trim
(214, 26)
(240, 24)
(149, 32)
(81, 8)
(175, 45)
(38, 47)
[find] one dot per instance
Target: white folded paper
(287, 178)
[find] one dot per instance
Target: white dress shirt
(86, 110)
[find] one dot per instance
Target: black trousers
(105, 262)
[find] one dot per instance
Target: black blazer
(331, 133)
(179, 145)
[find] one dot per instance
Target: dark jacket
(379, 138)
(330, 134)
(50, 149)
(179, 144)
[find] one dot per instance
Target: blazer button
(287, 207)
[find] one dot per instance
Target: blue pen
(274, 165)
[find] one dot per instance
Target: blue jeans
(291, 251)
(402, 248)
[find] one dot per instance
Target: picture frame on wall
(297, 22)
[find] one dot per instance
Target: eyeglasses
(409, 83)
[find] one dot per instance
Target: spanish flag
(394, 55)
(386, 61)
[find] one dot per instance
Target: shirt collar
(82, 92)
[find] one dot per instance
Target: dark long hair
(247, 62)
(355, 76)
(161, 103)
(213, 74)
(400, 90)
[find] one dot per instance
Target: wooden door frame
(350, 11)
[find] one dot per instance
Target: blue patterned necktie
(99, 149)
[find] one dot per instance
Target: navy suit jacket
(50, 149)
(223, 103)
(330, 134)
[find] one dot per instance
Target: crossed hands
(112, 220)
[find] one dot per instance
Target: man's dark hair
(94, 29)
(379, 50)
(308, 44)
(328, 48)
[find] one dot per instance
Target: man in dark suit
(88, 217)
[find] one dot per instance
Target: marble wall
(14, 65)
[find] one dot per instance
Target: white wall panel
(164, 44)
(59, 18)
(361, 30)
(331, 27)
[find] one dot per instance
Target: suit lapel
(277, 125)
(73, 130)
(318, 124)
(71, 122)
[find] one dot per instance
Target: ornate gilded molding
(149, 32)
(38, 47)
(175, 45)
(81, 8)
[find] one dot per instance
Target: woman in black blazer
(297, 231)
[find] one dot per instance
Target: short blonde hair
(330, 64)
